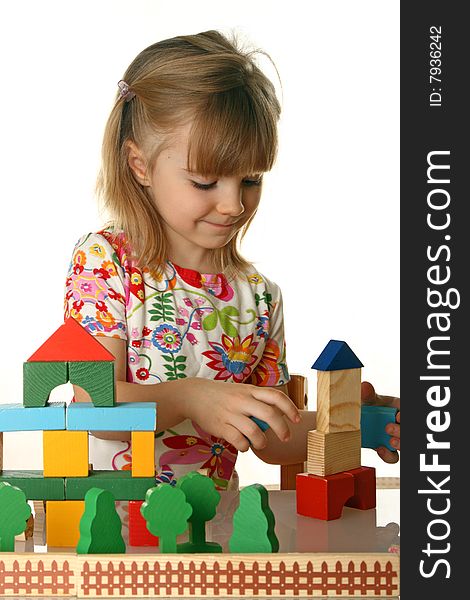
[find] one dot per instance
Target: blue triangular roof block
(336, 356)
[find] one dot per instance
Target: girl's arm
(222, 409)
(165, 394)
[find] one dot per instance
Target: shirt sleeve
(95, 288)
(272, 370)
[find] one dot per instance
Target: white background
(327, 230)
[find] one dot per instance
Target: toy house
(72, 355)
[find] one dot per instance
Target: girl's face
(199, 214)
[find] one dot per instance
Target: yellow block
(63, 522)
(65, 453)
(143, 453)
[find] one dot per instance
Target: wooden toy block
(329, 453)
(39, 379)
(339, 400)
(1, 452)
(71, 343)
(143, 453)
(14, 514)
(65, 453)
(39, 533)
(139, 535)
(323, 497)
(63, 522)
(120, 483)
(96, 378)
(336, 356)
(166, 511)
(16, 417)
(253, 523)
(203, 497)
(261, 424)
(297, 389)
(34, 485)
(284, 575)
(373, 422)
(100, 525)
(364, 488)
(29, 531)
(124, 416)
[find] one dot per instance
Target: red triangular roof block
(71, 343)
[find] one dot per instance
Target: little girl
(192, 131)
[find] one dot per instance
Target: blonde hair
(205, 78)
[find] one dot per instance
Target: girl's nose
(231, 201)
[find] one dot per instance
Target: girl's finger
(387, 456)
(278, 399)
(233, 436)
(250, 431)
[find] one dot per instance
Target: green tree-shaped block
(166, 511)
(253, 523)
(100, 525)
(14, 512)
(201, 494)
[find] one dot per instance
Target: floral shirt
(183, 324)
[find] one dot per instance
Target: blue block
(336, 356)
(261, 424)
(123, 416)
(16, 417)
(373, 422)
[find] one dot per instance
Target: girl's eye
(203, 186)
(209, 186)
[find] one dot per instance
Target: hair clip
(125, 91)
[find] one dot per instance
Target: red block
(364, 488)
(323, 497)
(139, 535)
(71, 343)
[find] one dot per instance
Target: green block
(34, 485)
(120, 483)
(100, 525)
(96, 378)
(39, 379)
(253, 523)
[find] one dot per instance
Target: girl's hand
(224, 410)
(369, 396)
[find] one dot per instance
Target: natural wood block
(65, 453)
(329, 453)
(339, 400)
(289, 474)
(63, 522)
(39, 533)
(143, 453)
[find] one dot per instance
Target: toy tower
(73, 355)
(334, 475)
